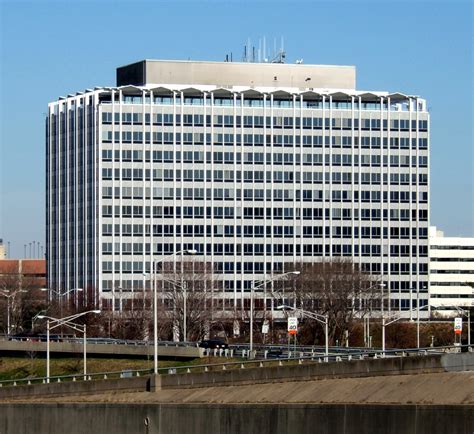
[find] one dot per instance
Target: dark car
(275, 354)
(213, 344)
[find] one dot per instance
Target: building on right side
(451, 276)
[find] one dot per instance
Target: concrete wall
(135, 384)
(271, 374)
(237, 74)
(355, 368)
(102, 349)
(232, 419)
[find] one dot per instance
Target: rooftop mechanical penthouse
(255, 166)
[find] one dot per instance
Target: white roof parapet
(248, 91)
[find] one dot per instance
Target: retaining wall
(231, 419)
(255, 375)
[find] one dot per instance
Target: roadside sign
(265, 327)
(458, 326)
(292, 325)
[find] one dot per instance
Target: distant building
(257, 167)
(3, 250)
(451, 277)
(33, 269)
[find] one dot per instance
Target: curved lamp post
(323, 319)
(52, 323)
(261, 285)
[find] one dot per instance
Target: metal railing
(299, 359)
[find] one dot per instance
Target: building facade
(257, 167)
(451, 272)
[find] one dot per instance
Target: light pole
(68, 321)
(367, 329)
(382, 286)
(10, 296)
(155, 305)
(260, 285)
(60, 294)
(323, 319)
(398, 318)
(465, 312)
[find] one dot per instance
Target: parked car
(213, 344)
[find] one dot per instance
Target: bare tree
(186, 295)
(334, 287)
(21, 299)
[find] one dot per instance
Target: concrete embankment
(251, 376)
(413, 395)
(235, 419)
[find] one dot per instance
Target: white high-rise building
(451, 272)
(257, 166)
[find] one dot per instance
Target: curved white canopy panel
(342, 95)
(369, 96)
(161, 90)
(249, 93)
(191, 91)
(397, 96)
(132, 89)
(283, 94)
(222, 93)
(309, 94)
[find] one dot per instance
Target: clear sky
(49, 49)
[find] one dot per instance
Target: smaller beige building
(451, 276)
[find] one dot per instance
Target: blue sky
(50, 49)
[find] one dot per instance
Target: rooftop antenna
(264, 50)
(279, 57)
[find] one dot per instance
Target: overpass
(102, 349)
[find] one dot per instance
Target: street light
(68, 321)
(59, 293)
(367, 328)
(316, 317)
(398, 318)
(463, 311)
(6, 293)
(260, 285)
(155, 304)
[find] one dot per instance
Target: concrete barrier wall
(135, 384)
(231, 419)
(306, 371)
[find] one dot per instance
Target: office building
(451, 272)
(257, 166)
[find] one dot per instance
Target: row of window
(304, 195)
(435, 247)
(257, 176)
(259, 267)
(364, 196)
(306, 159)
(197, 138)
(197, 120)
(231, 212)
(306, 177)
(452, 259)
(258, 231)
(269, 249)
